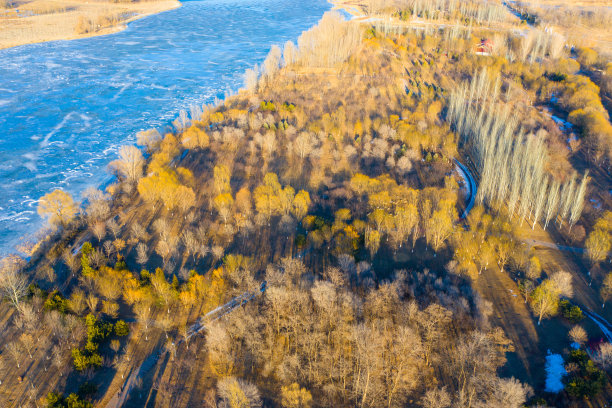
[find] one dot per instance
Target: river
(66, 106)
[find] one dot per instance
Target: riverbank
(130, 96)
(51, 20)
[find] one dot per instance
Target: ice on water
(66, 106)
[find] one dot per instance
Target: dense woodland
(323, 202)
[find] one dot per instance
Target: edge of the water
(43, 232)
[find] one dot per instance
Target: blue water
(66, 106)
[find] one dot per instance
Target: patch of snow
(554, 372)
(561, 122)
(596, 203)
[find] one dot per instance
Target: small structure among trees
(485, 47)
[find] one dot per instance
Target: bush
(56, 301)
(145, 277)
(57, 400)
(571, 312)
(87, 389)
(566, 66)
(267, 106)
(587, 56)
(83, 25)
(83, 360)
(587, 380)
(121, 328)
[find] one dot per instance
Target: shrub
(267, 106)
(571, 312)
(87, 389)
(57, 400)
(83, 360)
(587, 56)
(216, 117)
(587, 380)
(56, 301)
(121, 328)
(83, 25)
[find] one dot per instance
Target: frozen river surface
(66, 106)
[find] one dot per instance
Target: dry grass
(39, 7)
(583, 22)
(49, 20)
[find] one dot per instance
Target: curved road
(470, 185)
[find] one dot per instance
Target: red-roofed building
(485, 47)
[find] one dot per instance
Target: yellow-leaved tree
(294, 396)
(300, 205)
(165, 186)
(194, 137)
(58, 207)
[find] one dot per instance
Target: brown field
(49, 20)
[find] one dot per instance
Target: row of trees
(579, 96)
(512, 165)
(330, 42)
(473, 11)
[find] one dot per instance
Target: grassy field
(49, 20)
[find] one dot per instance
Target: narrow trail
(511, 313)
(552, 245)
(602, 323)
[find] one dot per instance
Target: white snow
(554, 372)
(563, 123)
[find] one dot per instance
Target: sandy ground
(50, 20)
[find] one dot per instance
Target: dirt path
(511, 313)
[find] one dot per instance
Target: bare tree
(13, 282)
(150, 139)
(59, 360)
(77, 302)
(92, 302)
(138, 232)
(143, 314)
(113, 227)
(578, 201)
(14, 350)
(130, 163)
(27, 343)
(71, 261)
(436, 398)
(578, 335)
(303, 144)
(142, 256)
(604, 356)
(563, 283)
(191, 243)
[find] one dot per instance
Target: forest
(315, 241)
